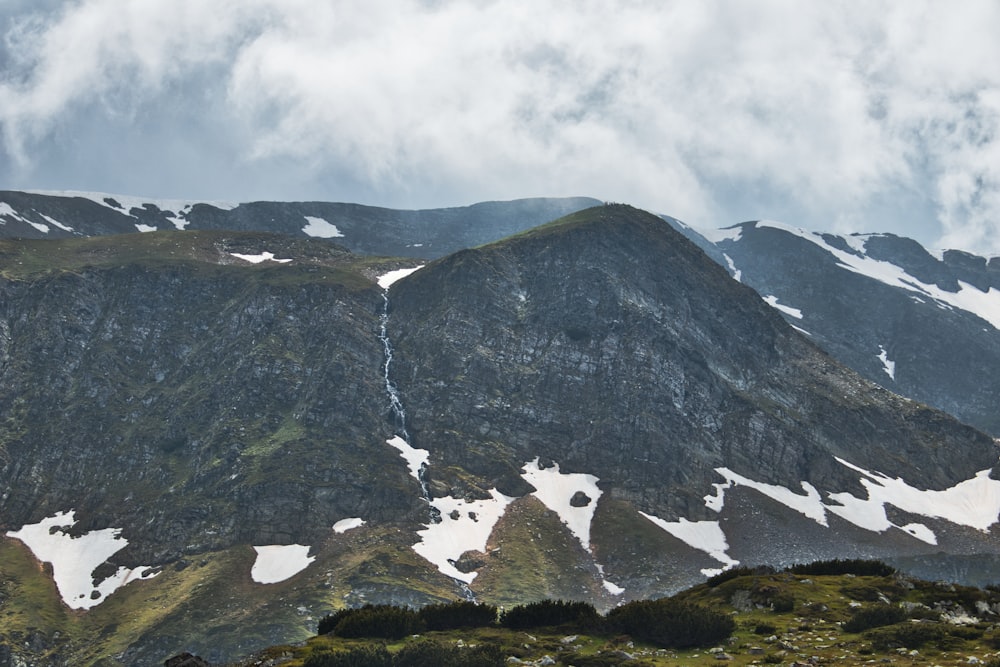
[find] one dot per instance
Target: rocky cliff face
(593, 410)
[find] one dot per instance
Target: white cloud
(834, 115)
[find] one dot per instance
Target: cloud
(880, 116)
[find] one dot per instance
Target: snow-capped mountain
(217, 437)
(925, 325)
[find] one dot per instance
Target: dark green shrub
(782, 603)
(548, 613)
(435, 654)
(858, 567)
(876, 616)
(366, 656)
(765, 629)
(329, 622)
(742, 571)
(381, 621)
(456, 615)
(671, 624)
(905, 635)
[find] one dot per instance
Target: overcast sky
(838, 116)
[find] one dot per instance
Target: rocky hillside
(215, 438)
(920, 324)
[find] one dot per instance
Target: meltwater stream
(396, 404)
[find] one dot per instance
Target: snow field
(387, 279)
(320, 228)
(278, 562)
(74, 559)
(262, 257)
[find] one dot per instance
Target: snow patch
(788, 310)
(556, 490)
(39, 226)
(705, 536)
(129, 202)
(465, 526)
(320, 228)
(974, 502)
(737, 274)
(6, 209)
(278, 562)
(734, 233)
(145, 228)
(345, 525)
(808, 505)
(262, 257)
(968, 298)
(888, 365)
(416, 459)
(56, 223)
(74, 559)
(614, 589)
(387, 279)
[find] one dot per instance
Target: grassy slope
(812, 628)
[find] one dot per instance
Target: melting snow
(612, 588)
(556, 489)
(888, 365)
(465, 526)
(737, 274)
(809, 505)
(415, 458)
(129, 202)
(345, 525)
(277, 562)
(974, 502)
(705, 536)
(733, 233)
(74, 559)
(56, 223)
(983, 304)
(788, 310)
(320, 228)
(387, 279)
(257, 259)
(145, 228)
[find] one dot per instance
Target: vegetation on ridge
(842, 618)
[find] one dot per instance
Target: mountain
(363, 229)
(217, 437)
(922, 325)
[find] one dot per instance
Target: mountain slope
(920, 325)
(588, 410)
(365, 229)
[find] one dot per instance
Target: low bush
(742, 571)
(435, 654)
(857, 567)
(876, 616)
(379, 621)
(671, 624)
(905, 635)
(456, 615)
(367, 656)
(550, 613)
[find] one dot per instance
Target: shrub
(671, 624)
(456, 615)
(858, 567)
(382, 621)
(329, 622)
(742, 571)
(367, 656)
(905, 635)
(874, 617)
(434, 654)
(765, 629)
(548, 613)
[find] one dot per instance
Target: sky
(861, 116)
